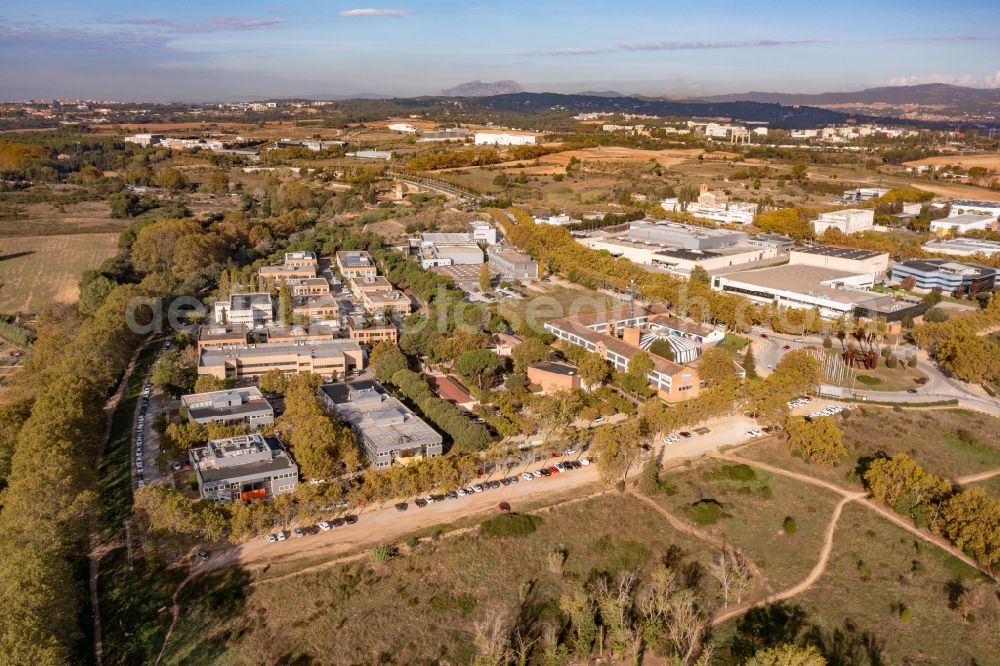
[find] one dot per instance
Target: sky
(218, 50)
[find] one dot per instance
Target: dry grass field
(985, 160)
(43, 219)
(556, 162)
(38, 270)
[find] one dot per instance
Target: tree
(171, 179)
(273, 381)
(716, 367)
(971, 358)
(529, 352)
(904, 485)
(908, 283)
(594, 370)
(217, 182)
(285, 305)
(171, 373)
(640, 365)
(484, 278)
(124, 205)
(971, 520)
(818, 441)
(206, 383)
(479, 364)
(750, 363)
(787, 655)
(386, 360)
(734, 574)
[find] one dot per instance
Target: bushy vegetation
(510, 525)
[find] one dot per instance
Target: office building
(301, 260)
(328, 358)
(248, 468)
(960, 224)
(847, 221)
(947, 275)
(388, 430)
(845, 259)
(232, 407)
(504, 139)
(511, 264)
(254, 310)
(725, 212)
(973, 207)
(355, 264)
(964, 247)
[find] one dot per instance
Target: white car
(584, 461)
(270, 538)
(323, 525)
(670, 439)
(478, 488)
(141, 483)
(528, 476)
(282, 536)
(429, 499)
(460, 492)
(750, 433)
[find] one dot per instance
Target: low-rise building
(946, 275)
(556, 220)
(960, 224)
(833, 293)
(275, 276)
(727, 212)
(355, 264)
(504, 139)
(299, 334)
(481, 231)
(860, 194)
(388, 430)
(328, 358)
(239, 406)
(248, 468)
(973, 207)
(304, 259)
(771, 240)
(847, 221)
(512, 264)
(378, 302)
(371, 332)
(964, 247)
(360, 285)
(314, 286)
(599, 333)
(553, 376)
(221, 336)
(254, 310)
(144, 139)
(845, 259)
(450, 255)
(316, 309)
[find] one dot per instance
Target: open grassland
(948, 442)
(753, 508)
(42, 219)
(885, 598)
(38, 270)
(422, 606)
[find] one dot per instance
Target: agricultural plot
(38, 270)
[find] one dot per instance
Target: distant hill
(483, 88)
(940, 99)
(601, 93)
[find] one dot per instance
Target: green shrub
(868, 380)
(383, 554)
(509, 524)
(912, 363)
(705, 512)
(765, 493)
(789, 526)
(905, 614)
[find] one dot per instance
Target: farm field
(556, 162)
(856, 609)
(38, 270)
(985, 160)
(948, 442)
(429, 598)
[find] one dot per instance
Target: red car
(786, 347)
(554, 470)
(504, 507)
(763, 336)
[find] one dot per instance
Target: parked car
(281, 535)
(554, 470)
(420, 502)
(402, 506)
(337, 522)
(297, 531)
(528, 476)
(504, 507)
(350, 519)
(451, 494)
(912, 390)
(545, 472)
(786, 347)
(685, 434)
(478, 488)
(202, 554)
(461, 492)
(270, 538)
(584, 461)
(325, 526)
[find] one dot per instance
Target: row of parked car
(323, 525)
(799, 402)
(147, 391)
(831, 410)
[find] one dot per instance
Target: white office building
(252, 310)
(847, 221)
(961, 224)
(729, 212)
(504, 139)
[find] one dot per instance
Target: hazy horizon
(257, 50)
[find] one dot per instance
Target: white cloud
(392, 13)
(969, 80)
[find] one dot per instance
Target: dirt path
(981, 476)
(175, 613)
(818, 570)
(882, 511)
(97, 549)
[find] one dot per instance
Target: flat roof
(315, 348)
(556, 368)
(854, 253)
(965, 218)
(373, 283)
(971, 245)
(378, 416)
(948, 266)
(354, 259)
(799, 279)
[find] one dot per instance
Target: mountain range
(483, 88)
(930, 101)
